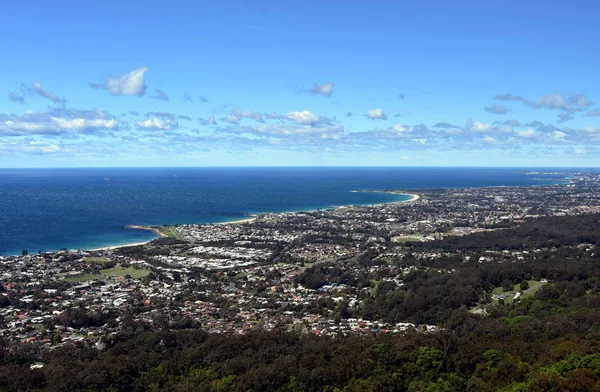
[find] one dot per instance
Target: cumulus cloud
(56, 122)
(401, 128)
(478, 126)
(237, 115)
(160, 95)
(156, 123)
(376, 114)
(527, 133)
(496, 109)
(132, 83)
(325, 89)
(304, 117)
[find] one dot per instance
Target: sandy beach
(148, 228)
(413, 197)
(120, 246)
(237, 222)
(135, 227)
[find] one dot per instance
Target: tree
(524, 285)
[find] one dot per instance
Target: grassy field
(82, 278)
(534, 286)
(120, 271)
(404, 240)
(110, 272)
(169, 232)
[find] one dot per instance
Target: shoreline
(412, 196)
(253, 217)
(156, 231)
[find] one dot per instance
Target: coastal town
(313, 272)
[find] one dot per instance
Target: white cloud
(304, 117)
(132, 83)
(376, 114)
(237, 115)
(162, 124)
(56, 122)
(400, 128)
(78, 124)
(31, 148)
(479, 126)
(527, 133)
(325, 89)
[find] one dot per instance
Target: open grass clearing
(534, 287)
(120, 271)
(82, 278)
(169, 232)
(404, 240)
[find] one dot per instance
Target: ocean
(52, 209)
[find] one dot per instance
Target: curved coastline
(253, 217)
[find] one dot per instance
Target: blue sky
(405, 83)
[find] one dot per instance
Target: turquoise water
(51, 209)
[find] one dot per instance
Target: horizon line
(296, 166)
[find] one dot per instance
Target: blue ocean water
(51, 209)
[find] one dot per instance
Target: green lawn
(169, 232)
(534, 286)
(110, 272)
(120, 271)
(82, 278)
(404, 240)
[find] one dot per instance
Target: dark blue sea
(51, 209)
